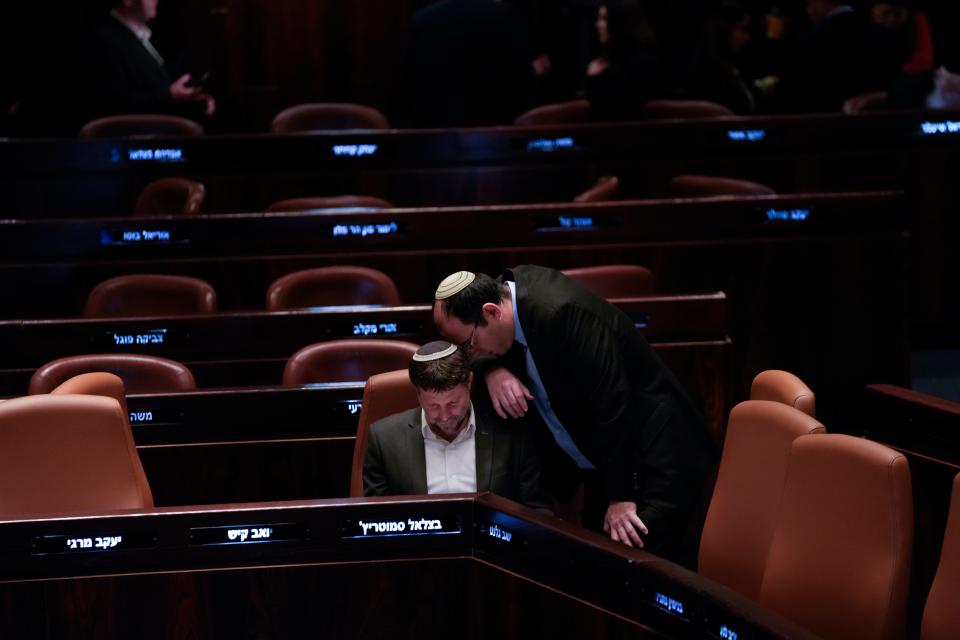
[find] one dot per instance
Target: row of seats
(183, 196)
(326, 116)
(814, 526)
(153, 294)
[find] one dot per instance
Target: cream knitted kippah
(434, 351)
(454, 284)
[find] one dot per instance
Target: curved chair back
(150, 294)
(784, 387)
(615, 280)
(346, 360)
(68, 453)
(140, 374)
(384, 395)
(320, 116)
(332, 286)
(330, 202)
(140, 125)
(170, 197)
(746, 498)
(604, 189)
(941, 615)
(569, 112)
(839, 561)
(98, 383)
(683, 109)
(697, 186)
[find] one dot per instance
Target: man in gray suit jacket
(451, 444)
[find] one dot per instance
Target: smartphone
(202, 81)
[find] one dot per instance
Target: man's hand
(180, 90)
(622, 524)
(508, 394)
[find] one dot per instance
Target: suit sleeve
(531, 489)
(374, 472)
(640, 459)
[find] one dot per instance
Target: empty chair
(615, 280)
(170, 196)
(384, 395)
(150, 295)
(784, 387)
(569, 112)
(941, 615)
(140, 125)
(746, 498)
(332, 286)
(839, 560)
(140, 374)
(346, 360)
(98, 383)
(604, 189)
(320, 116)
(697, 186)
(683, 109)
(68, 453)
(330, 202)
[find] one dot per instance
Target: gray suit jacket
(507, 462)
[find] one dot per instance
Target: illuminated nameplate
(354, 150)
(551, 144)
(43, 545)
(352, 406)
(146, 338)
(414, 526)
(501, 534)
(670, 605)
(248, 534)
(574, 223)
(365, 230)
(147, 416)
(375, 329)
(137, 237)
(746, 135)
(726, 633)
(787, 215)
(155, 154)
(939, 128)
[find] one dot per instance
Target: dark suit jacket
(507, 463)
(624, 409)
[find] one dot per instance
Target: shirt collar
(517, 329)
(463, 436)
(138, 29)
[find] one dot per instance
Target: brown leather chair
(332, 286)
(139, 126)
(569, 112)
(384, 395)
(68, 453)
(746, 498)
(697, 186)
(604, 189)
(786, 388)
(839, 560)
(140, 374)
(98, 383)
(615, 280)
(150, 294)
(346, 360)
(941, 615)
(321, 116)
(683, 109)
(170, 197)
(330, 202)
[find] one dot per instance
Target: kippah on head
(434, 351)
(454, 284)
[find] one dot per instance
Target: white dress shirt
(451, 466)
(142, 32)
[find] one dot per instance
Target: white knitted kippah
(454, 284)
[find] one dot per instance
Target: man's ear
(469, 380)
(491, 311)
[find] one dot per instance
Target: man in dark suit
(620, 418)
(450, 444)
(128, 75)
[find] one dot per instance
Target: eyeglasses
(466, 344)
